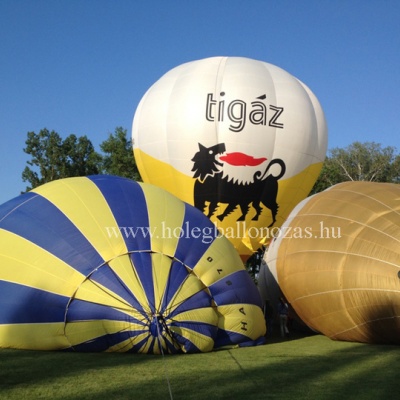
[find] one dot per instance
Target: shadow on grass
(311, 367)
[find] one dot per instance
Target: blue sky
(82, 66)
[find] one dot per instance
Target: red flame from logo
(238, 158)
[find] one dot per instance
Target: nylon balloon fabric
(337, 261)
(107, 264)
(240, 139)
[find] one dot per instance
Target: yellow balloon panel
(241, 318)
(248, 235)
(338, 261)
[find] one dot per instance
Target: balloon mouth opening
(157, 325)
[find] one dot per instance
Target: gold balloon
(337, 261)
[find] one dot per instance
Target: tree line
(54, 158)
(367, 161)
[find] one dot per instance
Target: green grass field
(304, 367)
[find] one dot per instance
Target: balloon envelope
(107, 264)
(241, 139)
(337, 261)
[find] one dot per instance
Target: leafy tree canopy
(118, 158)
(359, 162)
(54, 158)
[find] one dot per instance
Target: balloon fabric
(103, 263)
(240, 139)
(337, 261)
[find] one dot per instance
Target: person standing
(283, 311)
(269, 316)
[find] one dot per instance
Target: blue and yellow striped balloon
(104, 263)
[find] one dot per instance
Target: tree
(82, 159)
(329, 176)
(53, 158)
(359, 162)
(119, 158)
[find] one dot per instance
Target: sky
(81, 66)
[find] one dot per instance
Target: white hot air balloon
(241, 139)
